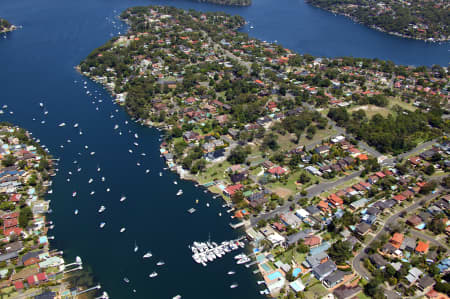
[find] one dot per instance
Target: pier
(236, 225)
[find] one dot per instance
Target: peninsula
(417, 19)
(5, 26)
(28, 267)
(317, 157)
(229, 2)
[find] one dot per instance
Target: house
(413, 275)
(359, 204)
(322, 150)
(277, 171)
(344, 292)
(297, 286)
(215, 155)
(333, 279)
(408, 244)
(378, 261)
(335, 200)
(426, 283)
(313, 261)
(324, 269)
(191, 136)
(290, 219)
(422, 247)
(414, 220)
(362, 229)
(397, 240)
(294, 238)
(312, 241)
(231, 190)
(399, 197)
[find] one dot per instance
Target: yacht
(76, 212)
(90, 180)
(92, 192)
(147, 255)
(136, 144)
(107, 189)
(123, 198)
(41, 104)
(153, 274)
(116, 127)
(147, 170)
(62, 124)
(234, 285)
(75, 125)
(175, 182)
(102, 209)
(92, 153)
(130, 151)
(160, 263)
(179, 192)
(231, 272)
(102, 225)
(123, 229)
(74, 194)
(207, 204)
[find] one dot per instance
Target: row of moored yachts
(205, 252)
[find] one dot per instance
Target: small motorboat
(160, 263)
(153, 274)
(126, 280)
(102, 224)
(74, 194)
(62, 124)
(102, 209)
(231, 272)
(234, 285)
(136, 248)
(76, 212)
(123, 229)
(123, 198)
(148, 255)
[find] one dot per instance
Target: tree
(429, 170)
(238, 155)
(9, 160)
(340, 251)
(25, 216)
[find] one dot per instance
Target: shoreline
(354, 19)
(10, 29)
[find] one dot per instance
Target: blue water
(36, 64)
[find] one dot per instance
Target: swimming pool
(296, 272)
(274, 275)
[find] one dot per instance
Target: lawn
(290, 254)
(315, 289)
(287, 141)
(214, 172)
(371, 110)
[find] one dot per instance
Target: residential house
(323, 270)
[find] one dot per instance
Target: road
(430, 239)
(414, 151)
(362, 255)
(312, 191)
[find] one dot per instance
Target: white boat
(243, 261)
(153, 274)
(79, 169)
(50, 191)
(136, 248)
(175, 182)
(207, 204)
(234, 285)
(123, 198)
(160, 174)
(136, 144)
(62, 124)
(122, 229)
(191, 210)
(102, 225)
(231, 272)
(103, 179)
(116, 127)
(92, 192)
(76, 212)
(75, 125)
(160, 263)
(177, 297)
(74, 194)
(143, 154)
(240, 256)
(107, 189)
(90, 180)
(138, 164)
(147, 255)
(86, 147)
(126, 280)
(147, 170)
(98, 169)
(92, 153)
(131, 151)
(41, 104)
(180, 192)
(136, 135)
(45, 112)
(102, 209)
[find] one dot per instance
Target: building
(323, 270)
